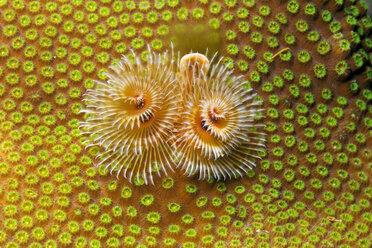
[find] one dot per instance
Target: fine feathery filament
(217, 136)
(132, 114)
(164, 113)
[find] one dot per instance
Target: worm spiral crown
(217, 135)
(133, 114)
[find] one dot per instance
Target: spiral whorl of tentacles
(165, 113)
(133, 114)
(217, 136)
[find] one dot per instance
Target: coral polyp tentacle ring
(217, 136)
(150, 117)
(132, 116)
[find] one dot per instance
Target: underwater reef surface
(309, 62)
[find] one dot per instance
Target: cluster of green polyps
(309, 62)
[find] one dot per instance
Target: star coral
(305, 59)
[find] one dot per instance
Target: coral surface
(308, 61)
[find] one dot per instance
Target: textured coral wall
(309, 61)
